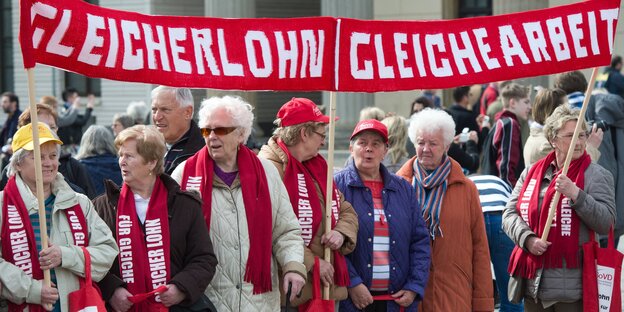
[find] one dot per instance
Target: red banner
(258, 54)
(403, 55)
(301, 53)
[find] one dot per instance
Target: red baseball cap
(300, 110)
(371, 125)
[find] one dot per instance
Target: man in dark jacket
(172, 113)
(615, 80)
(463, 117)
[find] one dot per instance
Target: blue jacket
(100, 168)
(409, 241)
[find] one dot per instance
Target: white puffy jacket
(228, 231)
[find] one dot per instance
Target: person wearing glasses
(537, 146)
(548, 274)
(247, 209)
(294, 150)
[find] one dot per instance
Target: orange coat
(460, 278)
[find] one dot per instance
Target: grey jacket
(610, 109)
(595, 206)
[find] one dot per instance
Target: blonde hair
(150, 144)
(558, 119)
(397, 137)
(372, 112)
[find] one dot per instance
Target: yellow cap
(23, 138)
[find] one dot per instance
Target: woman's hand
(297, 282)
(404, 297)
(566, 187)
(595, 137)
(360, 296)
(50, 257)
(333, 240)
(172, 296)
(49, 295)
(536, 245)
(327, 272)
(119, 301)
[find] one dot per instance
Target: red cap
(371, 125)
(300, 110)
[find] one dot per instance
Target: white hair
(138, 111)
(236, 107)
(183, 96)
(432, 121)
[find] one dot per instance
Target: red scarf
(19, 246)
(144, 258)
(198, 175)
(300, 180)
(564, 233)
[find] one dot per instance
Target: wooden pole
(38, 172)
(566, 164)
(330, 180)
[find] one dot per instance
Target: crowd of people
(178, 212)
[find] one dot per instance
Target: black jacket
(463, 118)
(193, 261)
(191, 142)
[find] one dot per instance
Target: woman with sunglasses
(293, 150)
(247, 210)
(548, 274)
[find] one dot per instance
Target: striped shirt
(34, 221)
(575, 99)
(494, 193)
(381, 238)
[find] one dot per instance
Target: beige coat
(19, 287)
(347, 225)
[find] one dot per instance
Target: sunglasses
(218, 131)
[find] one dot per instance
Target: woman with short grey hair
(548, 273)
(99, 156)
(251, 212)
(70, 218)
(452, 211)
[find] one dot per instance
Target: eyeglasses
(218, 131)
(322, 135)
(582, 136)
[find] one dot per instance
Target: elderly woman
(551, 270)
(23, 260)
(392, 255)
(247, 209)
(98, 154)
(294, 152)
(460, 261)
(164, 242)
(121, 122)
